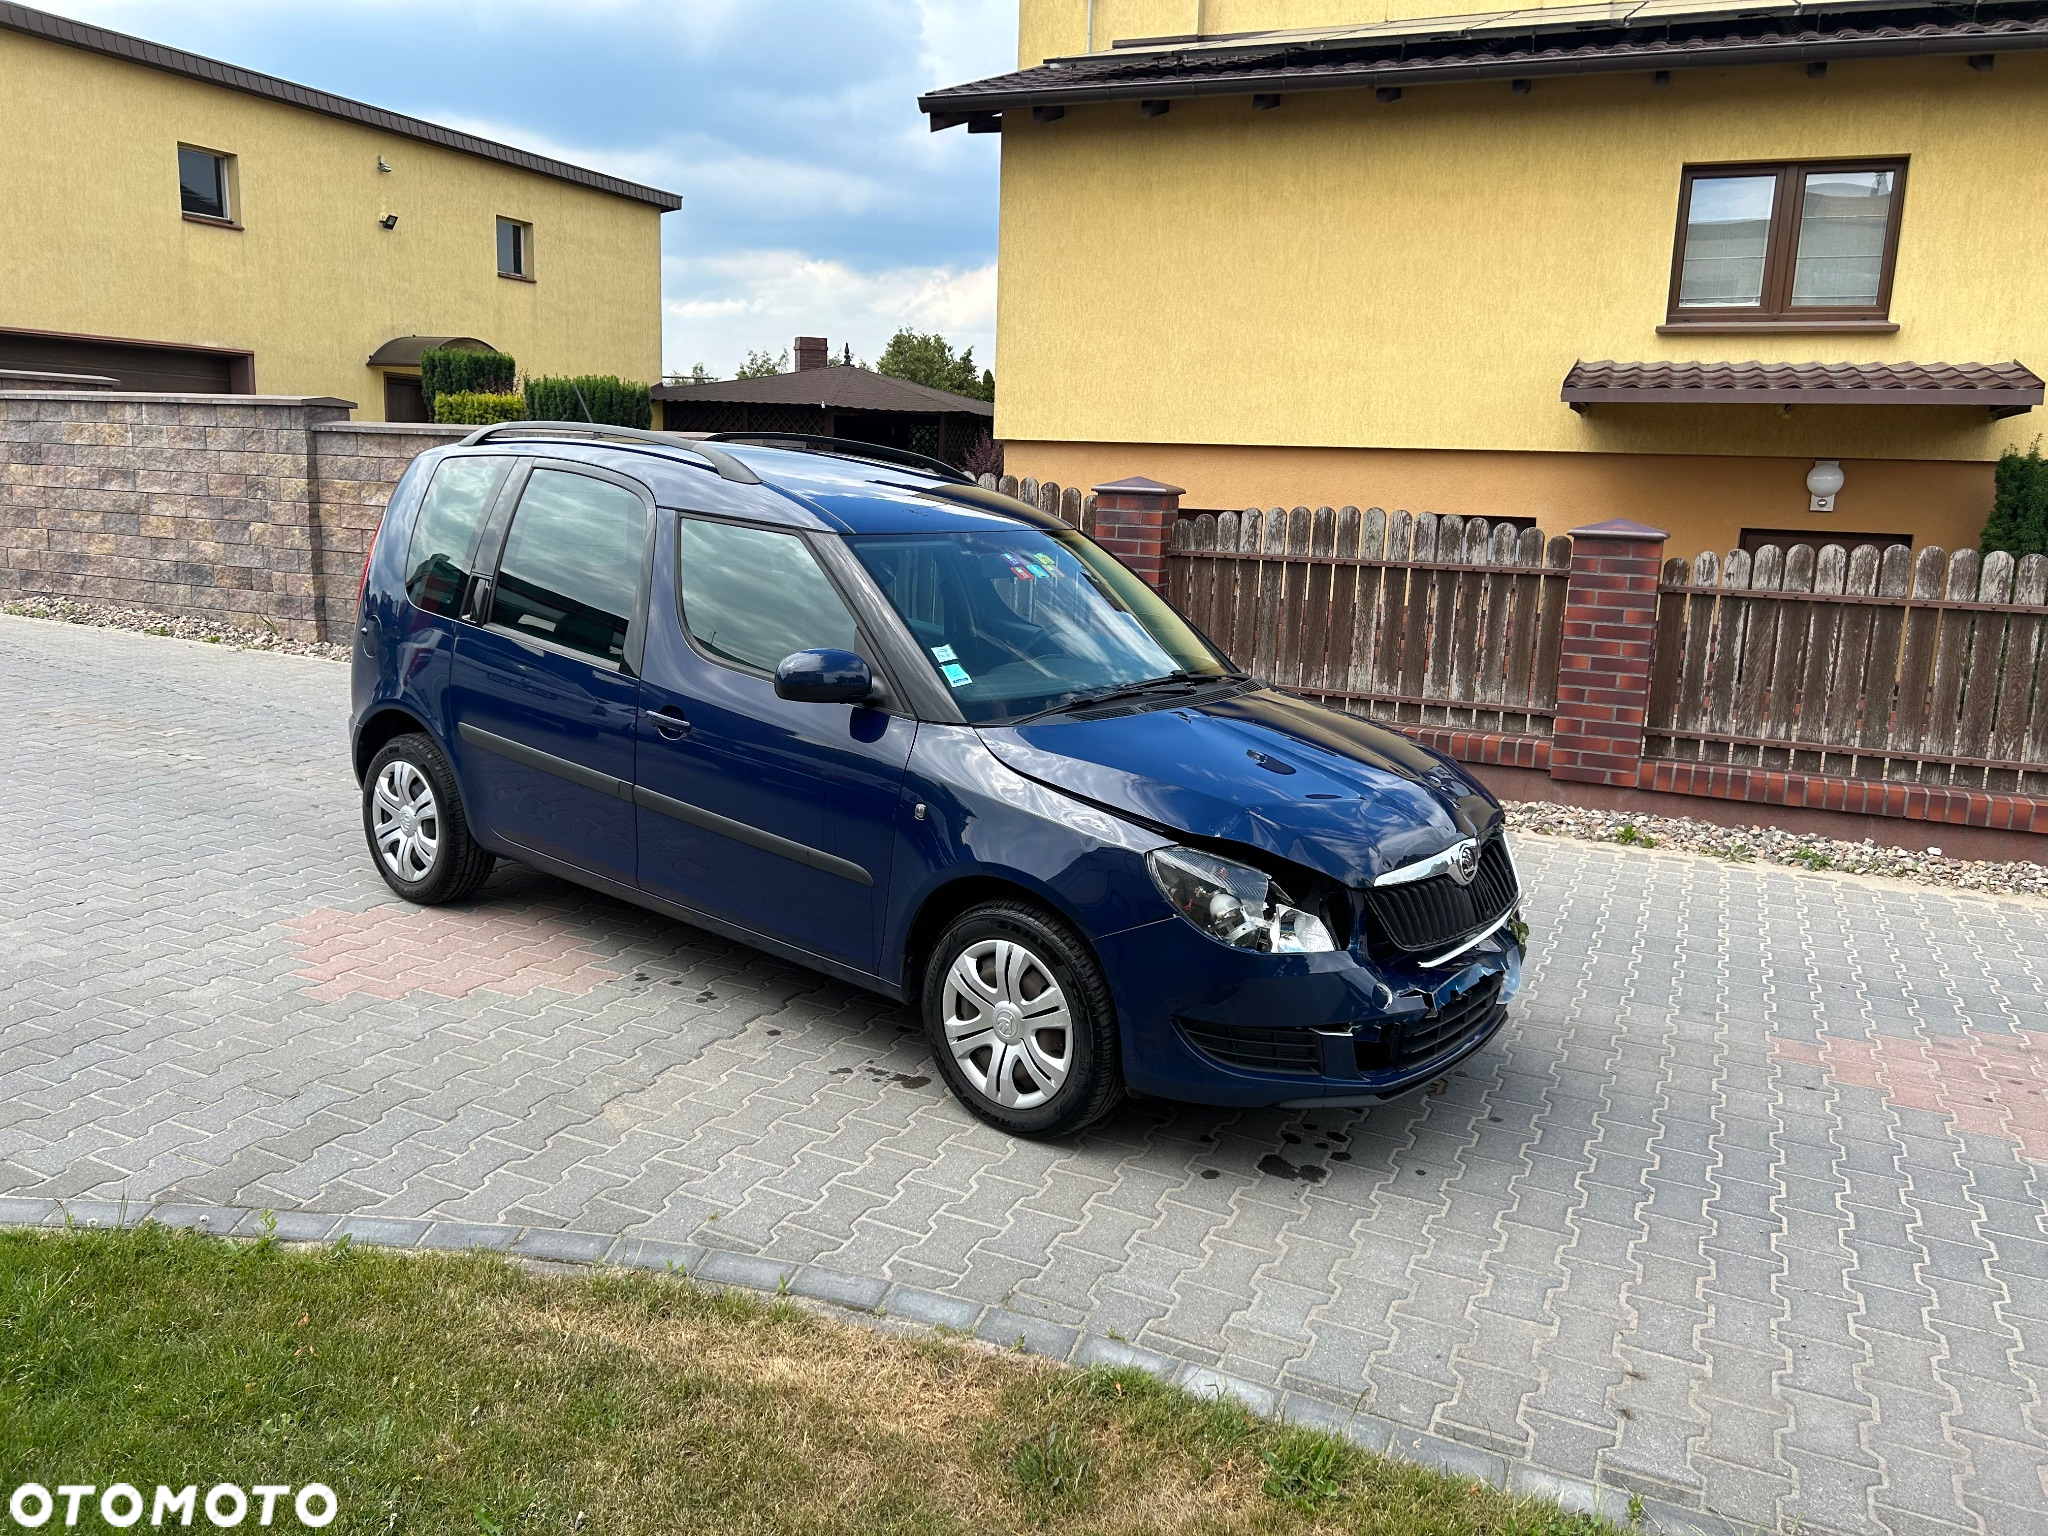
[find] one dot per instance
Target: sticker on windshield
(943, 653)
(956, 674)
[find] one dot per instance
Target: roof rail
(728, 467)
(845, 448)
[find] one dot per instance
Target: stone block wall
(244, 508)
(356, 465)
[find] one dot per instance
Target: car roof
(820, 491)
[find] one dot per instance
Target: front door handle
(672, 724)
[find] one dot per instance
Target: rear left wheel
(413, 819)
(1019, 1018)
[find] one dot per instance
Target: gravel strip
(1680, 834)
(147, 621)
(1774, 845)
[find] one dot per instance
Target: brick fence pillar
(1610, 630)
(1134, 521)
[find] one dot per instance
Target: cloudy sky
(815, 199)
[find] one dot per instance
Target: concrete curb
(868, 1301)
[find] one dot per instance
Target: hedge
(449, 370)
(594, 397)
(2019, 504)
(474, 408)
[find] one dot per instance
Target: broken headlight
(1236, 904)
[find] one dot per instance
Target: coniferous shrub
(604, 398)
(2018, 523)
(453, 371)
(474, 408)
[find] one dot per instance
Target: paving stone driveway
(1743, 1212)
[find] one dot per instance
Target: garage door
(174, 370)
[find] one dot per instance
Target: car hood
(1341, 795)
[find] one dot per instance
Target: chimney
(811, 352)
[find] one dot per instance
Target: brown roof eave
(958, 103)
(2000, 402)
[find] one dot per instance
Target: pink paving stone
(1994, 1085)
(396, 952)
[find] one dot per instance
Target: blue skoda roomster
(840, 703)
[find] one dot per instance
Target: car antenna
(583, 402)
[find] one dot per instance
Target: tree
(2018, 523)
(931, 361)
(760, 365)
(698, 374)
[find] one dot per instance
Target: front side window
(570, 573)
(1787, 242)
(515, 248)
(1019, 620)
(437, 563)
(203, 183)
(752, 596)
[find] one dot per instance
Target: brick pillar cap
(1619, 528)
(1138, 485)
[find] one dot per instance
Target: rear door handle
(670, 722)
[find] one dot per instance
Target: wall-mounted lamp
(389, 221)
(1823, 482)
(383, 164)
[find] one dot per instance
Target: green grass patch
(441, 1393)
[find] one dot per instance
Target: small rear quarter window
(437, 563)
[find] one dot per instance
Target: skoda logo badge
(1465, 862)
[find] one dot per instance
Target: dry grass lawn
(465, 1394)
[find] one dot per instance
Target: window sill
(201, 218)
(1775, 327)
(515, 277)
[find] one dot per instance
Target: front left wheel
(413, 819)
(1020, 1021)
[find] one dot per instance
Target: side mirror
(824, 676)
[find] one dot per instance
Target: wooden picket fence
(1068, 503)
(1923, 669)
(1422, 620)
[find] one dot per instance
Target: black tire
(457, 866)
(1093, 1082)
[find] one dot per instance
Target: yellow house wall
(94, 242)
(1419, 277)
(1052, 28)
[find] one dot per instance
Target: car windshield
(1020, 620)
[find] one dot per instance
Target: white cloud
(722, 307)
(961, 40)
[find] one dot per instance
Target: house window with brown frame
(515, 249)
(1808, 241)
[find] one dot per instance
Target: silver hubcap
(1007, 1023)
(405, 820)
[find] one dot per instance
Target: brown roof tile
(2006, 388)
(836, 388)
(1501, 46)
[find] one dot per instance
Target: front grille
(1446, 1030)
(1292, 1052)
(1436, 913)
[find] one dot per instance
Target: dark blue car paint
(786, 805)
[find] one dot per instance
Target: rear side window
(437, 562)
(752, 596)
(571, 568)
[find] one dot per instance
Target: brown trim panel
(152, 366)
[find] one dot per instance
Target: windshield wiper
(1176, 684)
